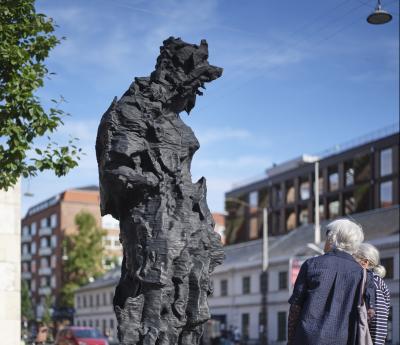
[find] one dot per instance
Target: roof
(219, 218)
(79, 194)
(110, 278)
(376, 224)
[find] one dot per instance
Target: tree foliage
(26, 302)
(26, 38)
(84, 253)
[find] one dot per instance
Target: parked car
(80, 336)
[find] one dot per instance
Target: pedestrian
(368, 257)
(41, 335)
(236, 336)
(324, 302)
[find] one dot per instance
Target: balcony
(45, 251)
(26, 238)
(45, 290)
(45, 271)
(26, 257)
(26, 275)
(45, 231)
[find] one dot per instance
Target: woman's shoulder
(379, 282)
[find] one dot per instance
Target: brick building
(43, 229)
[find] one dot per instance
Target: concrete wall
(10, 270)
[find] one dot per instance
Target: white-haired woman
(368, 257)
(323, 307)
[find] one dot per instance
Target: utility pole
(264, 277)
(317, 230)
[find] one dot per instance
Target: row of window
(90, 300)
(358, 200)
(45, 242)
(47, 222)
(44, 282)
(44, 262)
(281, 318)
(283, 279)
(356, 171)
(246, 284)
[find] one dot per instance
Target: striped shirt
(378, 326)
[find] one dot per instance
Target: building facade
(362, 177)
(44, 228)
(237, 300)
(94, 304)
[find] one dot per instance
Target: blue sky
(299, 77)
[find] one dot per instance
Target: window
(33, 248)
(333, 180)
(111, 297)
(97, 300)
(321, 184)
(84, 301)
(33, 266)
(104, 327)
(54, 241)
(333, 208)
(304, 190)
(277, 195)
(348, 173)
(253, 199)
(97, 323)
(386, 167)
(25, 267)
(53, 282)
(84, 323)
(25, 231)
(290, 193)
(33, 229)
(78, 323)
(388, 264)
(245, 325)
(111, 323)
(349, 204)
(386, 194)
(25, 249)
(33, 285)
(44, 263)
(362, 168)
(303, 216)
(90, 323)
(224, 287)
(78, 302)
(90, 301)
(246, 285)
(321, 211)
(290, 219)
(53, 261)
(44, 242)
(253, 233)
(43, 223)
(53, 220)
(281, 326)
(283, 280)
(104, 298)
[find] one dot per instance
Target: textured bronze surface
(144, 152)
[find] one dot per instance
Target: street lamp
(265, 264)
(379, 16)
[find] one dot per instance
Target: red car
(80, 336)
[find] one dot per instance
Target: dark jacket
(326, 289)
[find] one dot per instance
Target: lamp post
(264, 273)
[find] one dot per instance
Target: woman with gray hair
(324, 302)
(368, 257)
